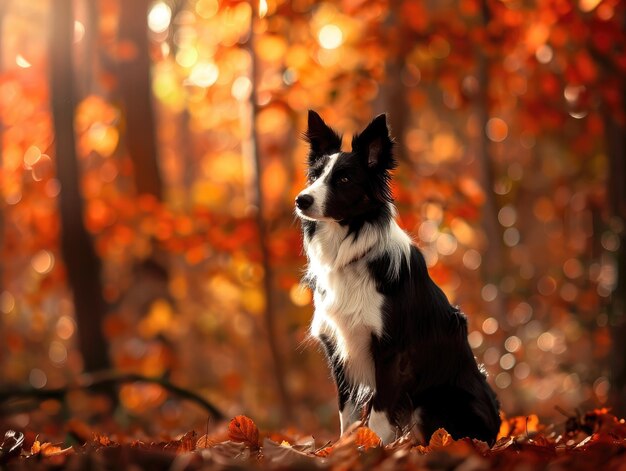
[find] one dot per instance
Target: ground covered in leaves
(593, 441)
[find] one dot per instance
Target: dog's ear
(322, 139)
(375, 144)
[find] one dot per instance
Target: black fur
(424, 360)
(344, 391)
(322, 139)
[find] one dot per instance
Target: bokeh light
(330, 36)
(159, 17)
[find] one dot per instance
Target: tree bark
(270, 297)
(392, 98)
(4, 6)
(135, 89)
(616, 182)
(615, 142)
(81, 262)
(90, 47)
(492, 266)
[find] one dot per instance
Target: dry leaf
(102, 440)
(206, 441)
(285, 456)
(503, 443)
(521, 425)
(48, 449)
(243, 429)
(187, 442)
(366, 438)
(324, 452)
(421, 449)
(36, 447)
(440, 438)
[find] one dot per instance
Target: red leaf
(243, 429)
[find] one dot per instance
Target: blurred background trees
(173, 127)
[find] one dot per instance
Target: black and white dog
(393, 340)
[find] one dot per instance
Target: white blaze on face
(318, 191)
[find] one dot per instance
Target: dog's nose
(304, 201)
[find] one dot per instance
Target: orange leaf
(440, 438)
(520, 425)
(366, 438)
(102, 440)
(206, 441)
(532, 423)
(421, 449)
(243, 429)
(324, 452)
(36, 447)
(505, 427)
(47, 449)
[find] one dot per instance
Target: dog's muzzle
(304, 202)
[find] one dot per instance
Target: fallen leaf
(243, 429)
(440, 438)
(421, 449)
(48, 449)
(503, 443)
(206, 441)
(324, 452)
(285, 455)
(187, 442)
(521, 425)
(102, 440)
(366, 438)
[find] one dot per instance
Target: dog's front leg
(389, 389)
(348, 413)
(348, 410)
(381, 425)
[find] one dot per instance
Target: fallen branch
(94, 381)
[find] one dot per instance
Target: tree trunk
(4, 6)
(81, 262)
(90, 47)
(270, 298)
(616, 143)
(492, 267)
(392, 98)
(135, 88)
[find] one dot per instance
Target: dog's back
(427, 371)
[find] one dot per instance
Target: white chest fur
(347, 304)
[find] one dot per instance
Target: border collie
(395, 345)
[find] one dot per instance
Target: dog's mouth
(309, 215)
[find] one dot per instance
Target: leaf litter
(593, 441)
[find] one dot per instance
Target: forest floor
(593, 441)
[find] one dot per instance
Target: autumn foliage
(596, 442)
(509, 118)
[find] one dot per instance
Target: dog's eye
(344, 180)
(313, 178)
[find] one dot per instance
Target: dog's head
(343, 186)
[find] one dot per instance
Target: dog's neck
(332, 245)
